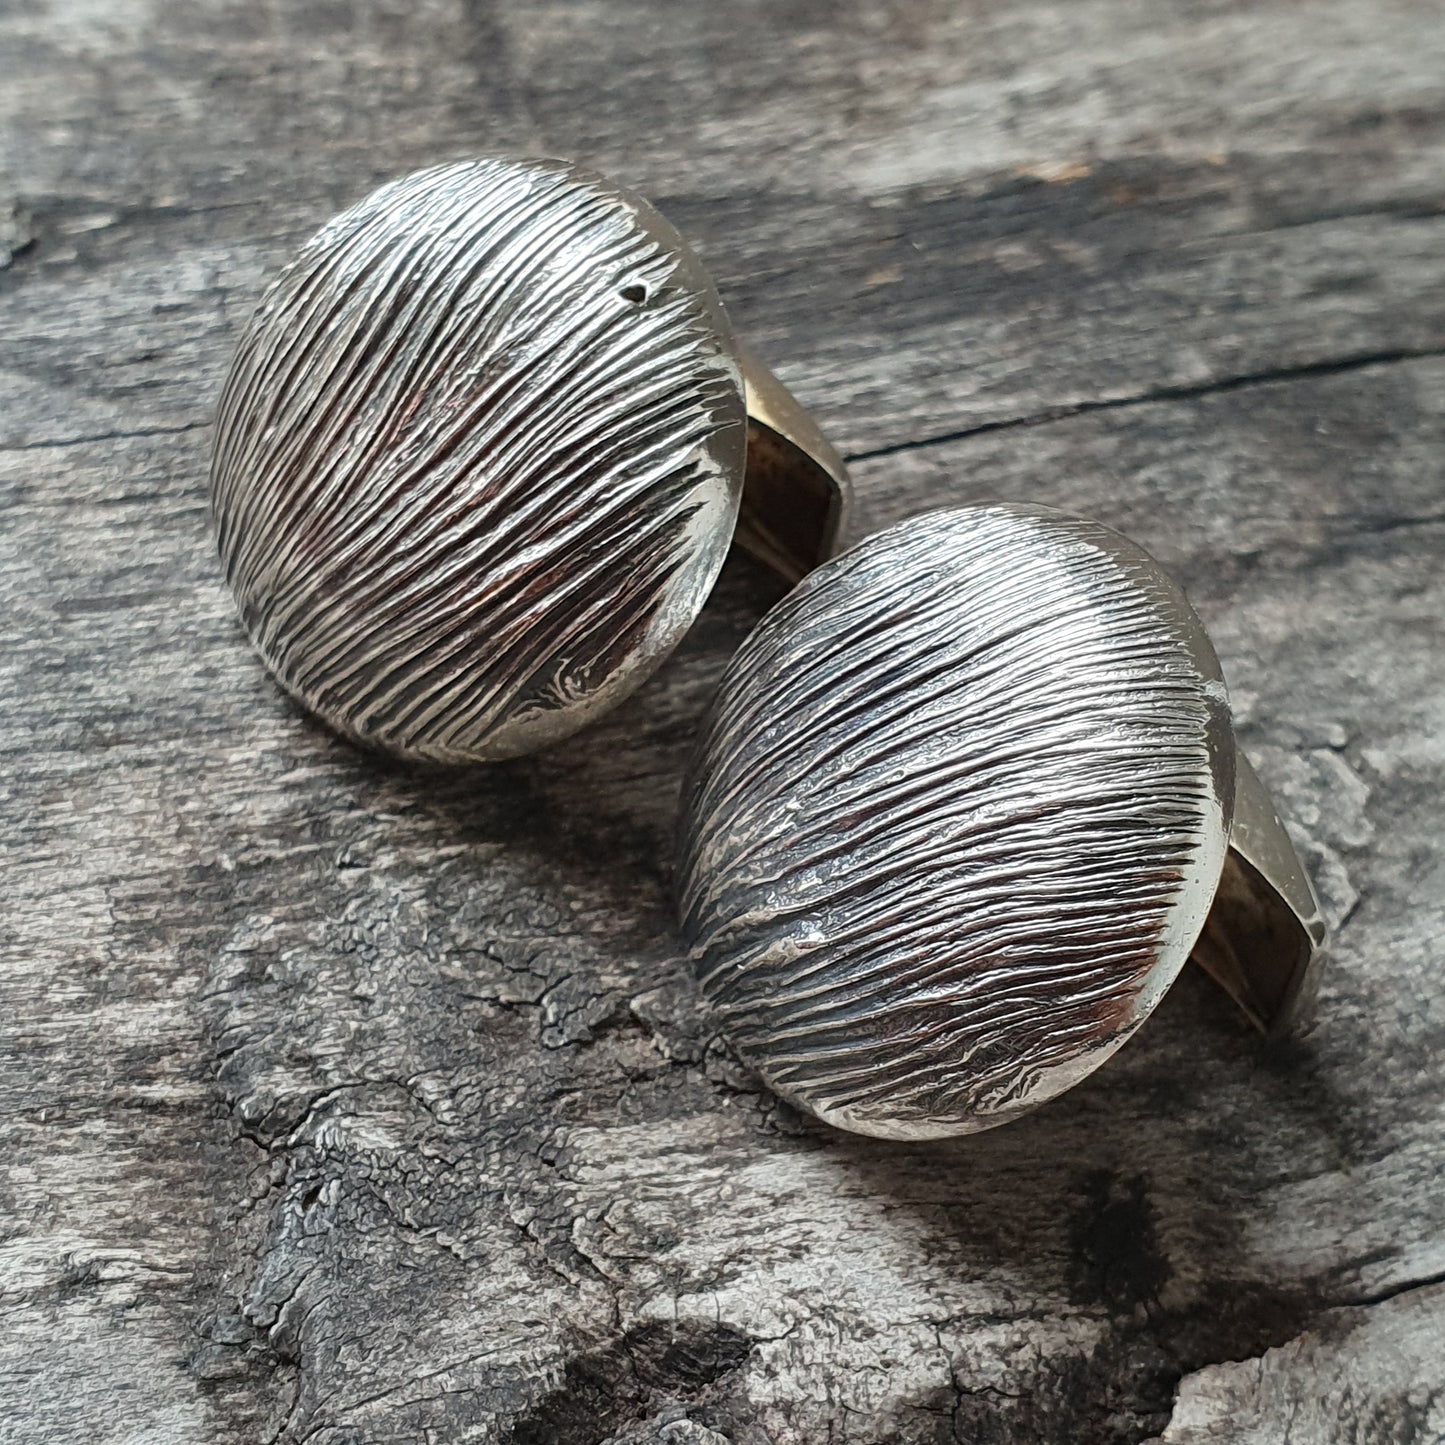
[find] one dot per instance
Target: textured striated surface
(956, 819)
(478, 459)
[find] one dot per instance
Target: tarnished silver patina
(958, 817)
(481, 454)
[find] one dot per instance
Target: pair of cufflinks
(966, 800)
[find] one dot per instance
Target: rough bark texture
(342, 1103)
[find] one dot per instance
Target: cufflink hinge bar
(1262, 940)
(796, 493)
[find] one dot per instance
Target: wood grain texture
(343, 1103)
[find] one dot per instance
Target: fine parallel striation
(478, 458)
(956, 819)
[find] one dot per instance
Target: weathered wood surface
(341, 1103)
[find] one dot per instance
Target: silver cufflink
(967, 800)
(481, 453)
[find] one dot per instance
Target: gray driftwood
(342, 1103)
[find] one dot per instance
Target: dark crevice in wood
(93, 438)
(611, 1388)
(1305, 371)
(1396, 1291)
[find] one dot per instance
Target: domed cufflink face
(482, 451)
(965, 803)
